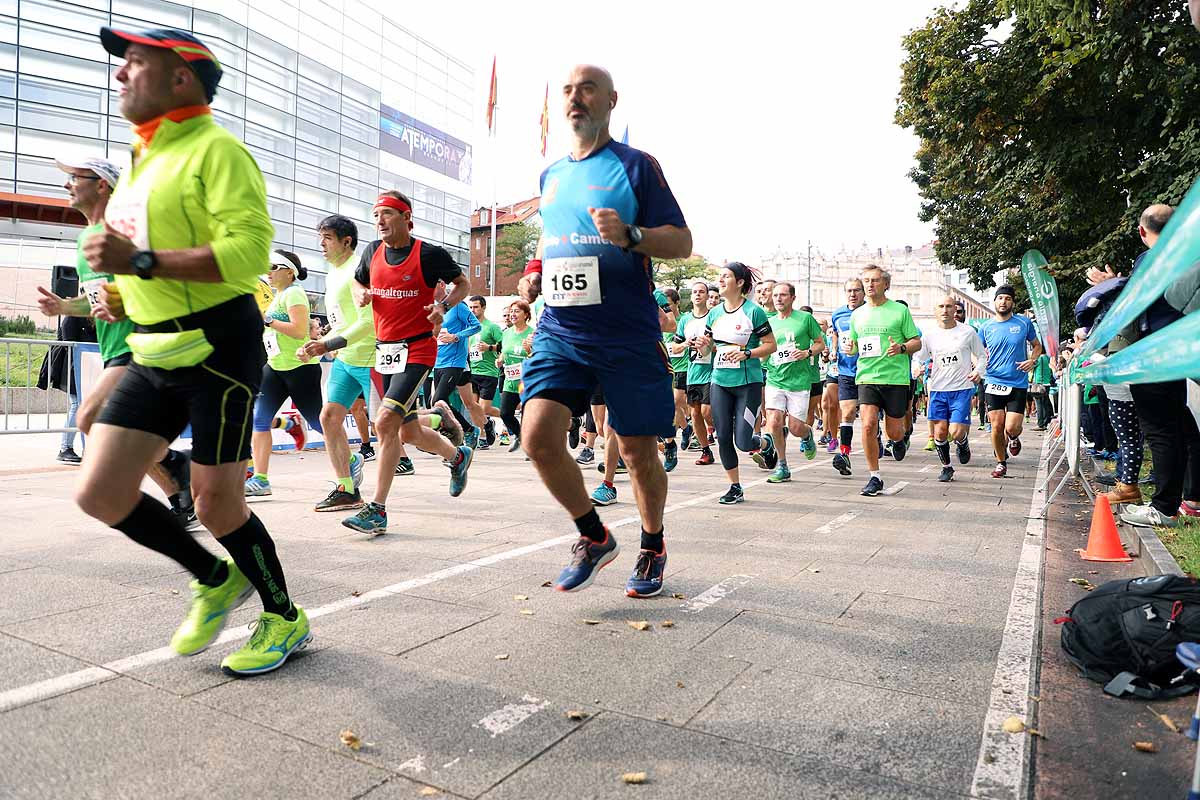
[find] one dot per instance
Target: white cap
(104, 168)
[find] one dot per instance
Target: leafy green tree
(681, 273)
(516, 243)
(1055, 137)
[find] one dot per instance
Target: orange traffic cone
(1104, 543)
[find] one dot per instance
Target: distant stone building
(918, 278)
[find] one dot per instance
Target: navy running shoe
(458, 472)
(873, 487)
(841, 463)
(670, 457)
(587, 559)
(647, 577)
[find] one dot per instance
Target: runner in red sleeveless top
(398, 276)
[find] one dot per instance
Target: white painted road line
(510, 716)
(714, 594)
(837, 522)
(52, 687)
(895, 488)
(1002, 769)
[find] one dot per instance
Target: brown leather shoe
(1124, 493)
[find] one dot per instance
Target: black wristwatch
(445, 307)
(635, 235)
(143, 263)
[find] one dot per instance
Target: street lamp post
(810, 303)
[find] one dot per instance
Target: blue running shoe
(685, 436)
(458, 474)
(670, 457)
(586, 456)
(372, 519)
(356, 469)
(604, 495)
(647, 577)
(258, 487)
(471, 438)
(587, 558)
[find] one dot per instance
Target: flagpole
(495, 162)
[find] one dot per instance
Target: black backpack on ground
(1124, 633)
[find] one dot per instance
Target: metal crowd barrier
(13, 419)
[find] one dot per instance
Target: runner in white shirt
(951, 345)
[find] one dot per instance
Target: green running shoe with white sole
(274, 639)
(210, 610)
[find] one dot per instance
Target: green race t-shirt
(514, 355)
(346, 319)
(699, 370)
(736, 330)
(872, 327)
(786, 370)
(109, 335)
(281, 348)
(679, 363)
(483, 362)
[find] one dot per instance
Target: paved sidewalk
(824, 644)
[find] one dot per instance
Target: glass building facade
(305, 83)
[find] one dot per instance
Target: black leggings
(734, 411)
(445, 380)
(508, 411)
(302, 384)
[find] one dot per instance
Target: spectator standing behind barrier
(1162, 411)
(58, 372)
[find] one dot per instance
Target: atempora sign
(413, 140)
(1043, 294)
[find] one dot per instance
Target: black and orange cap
(188, 47)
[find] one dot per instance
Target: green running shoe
(781, 475)
(274, 639)
(809, 446)
(210, 609)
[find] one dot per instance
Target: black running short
(597, 398)
(1013, 402)
(679, 381)
(485, 386)
(400, 390)
(122, 360)
(698, 393)
(894, 400)
(215, 397)
(815, 390)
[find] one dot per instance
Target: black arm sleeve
(362, 273)
(437, 265)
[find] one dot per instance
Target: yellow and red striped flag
(491, 106)
(545, 118)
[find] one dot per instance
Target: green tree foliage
(680, 273)
(1055, 137)
(515, 245)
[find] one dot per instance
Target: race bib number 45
(869, 347)
(571, 281)
(391, 359)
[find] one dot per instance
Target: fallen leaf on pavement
(547, 584)
(1013, 725)
(1165, 720)
(591, 622)
(1084, 582)
(678, 596)
(1145, 747)
(350, 739)
(174, 591)
(429, 791)
(634, 777)
(640, 625)
(502, 656)
(678, 684)
(520, 597)
(577, 715)
(527, 612)
(667, 623)
(1035, 732)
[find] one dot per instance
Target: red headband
(392, 202)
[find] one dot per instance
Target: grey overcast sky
(773, 121)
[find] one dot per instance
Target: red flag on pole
(491, 107)
(545, 118)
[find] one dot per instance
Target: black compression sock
(845, 434)
(589, 525)
(653, 541)
(252, 550)
(152, 525)
(170, 458)
(943, 451)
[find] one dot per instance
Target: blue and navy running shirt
(631, 182)
(847, 365)
(1006, 345)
